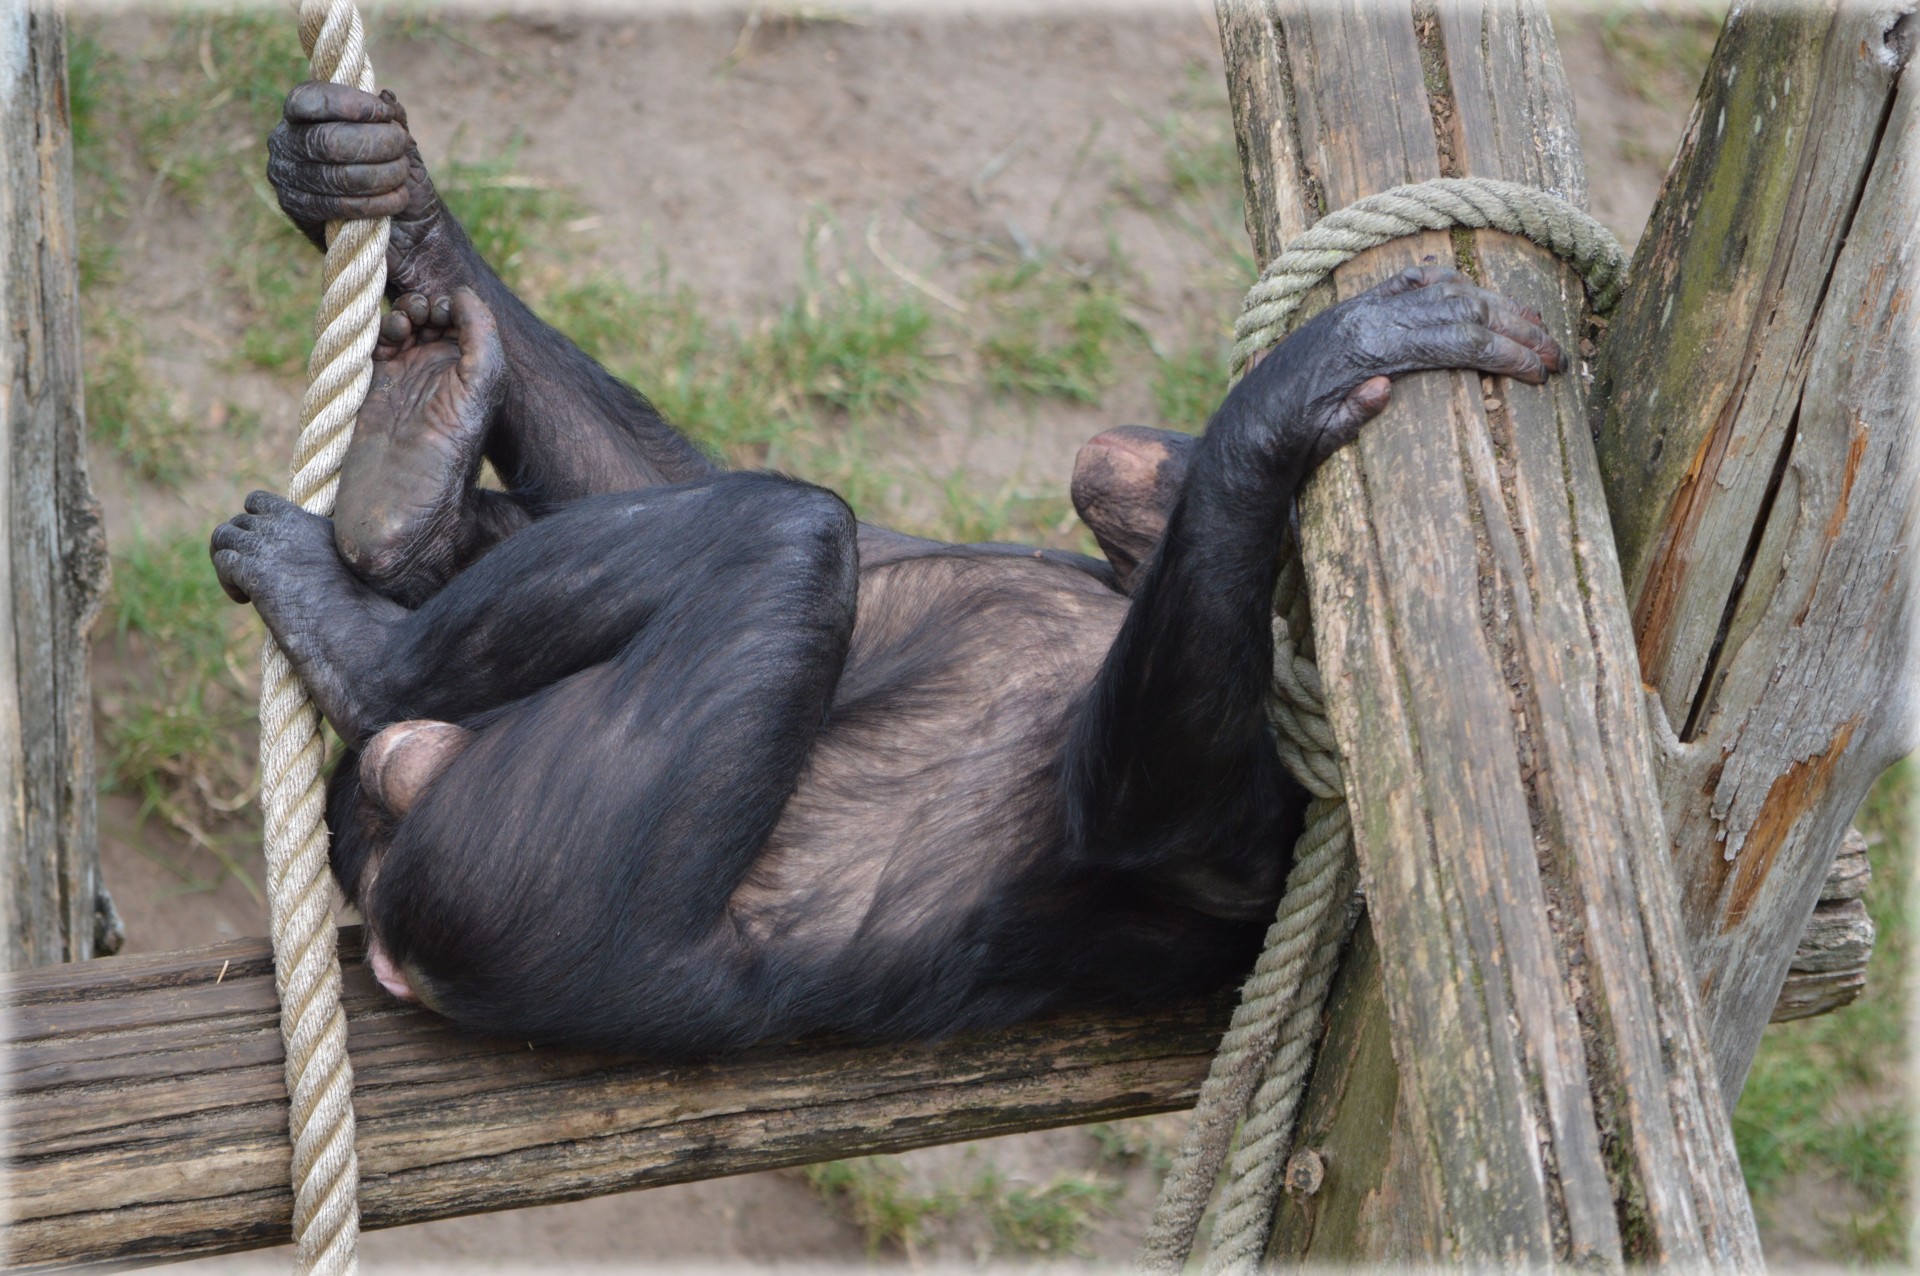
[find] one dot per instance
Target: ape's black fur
(738, 768)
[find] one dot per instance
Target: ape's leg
(408, 516)
(1171, 770)
(569, 592)
(642, 677)
(563, 427)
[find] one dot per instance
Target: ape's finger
(441, 315)
(1422, 276)
(226, 563)
(304, 207)
(337, 143)
(265, 503)
(399, 111)
(415, 305)
(314, 178)
(317, 101)
(1485, 350)
(1369, 399)
(1515, 323)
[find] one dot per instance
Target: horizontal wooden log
(1829, 967)
(148, 1112)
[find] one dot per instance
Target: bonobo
(649, 755)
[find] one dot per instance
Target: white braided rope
(1269, 1042)
(325, 1172)
(1475, 202)
(1259, 1073)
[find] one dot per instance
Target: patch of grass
(1199, 189)
(880, 1196)
(504, 212)
(874, 1195)
(972, 516)
(1826, 1097)
(1052, 335)
(1050, 1220)
(850, 347)
(277, 274)
(660, 341)
(127, 409)
(1132, 1143)
(1662, 52)
(173, 725)
(1188, 385)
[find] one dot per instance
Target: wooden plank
(1758, 450)
(1555, 1098)
(1829, 967)
(147, 1110)
(53, 567)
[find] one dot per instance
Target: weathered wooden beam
(1555, 1098)
(1757, 441)
(147, 1109)
(1829, 967)
(53, 565)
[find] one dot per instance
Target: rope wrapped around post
(1260, 1071)
(325, 1172)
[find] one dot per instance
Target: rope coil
(325, 1170)
(1260, 1071)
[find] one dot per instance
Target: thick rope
(325, 1172)
(1260, 1071)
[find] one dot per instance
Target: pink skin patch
(387, 973)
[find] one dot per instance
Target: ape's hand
(1318, 387)
(338, 155)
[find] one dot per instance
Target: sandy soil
(923, 144)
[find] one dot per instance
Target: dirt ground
(910, 146)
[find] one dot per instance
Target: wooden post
(1757, 441)
(1555, 1098)
(53, 568)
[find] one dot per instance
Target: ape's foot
(282, 560)
(416, 448)
(398, 764)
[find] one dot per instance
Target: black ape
(656, 757)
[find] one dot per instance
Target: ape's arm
(340, 154)
(1170, 772)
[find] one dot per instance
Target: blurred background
(915, 256)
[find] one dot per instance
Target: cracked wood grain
(53, 568)
(147, 1105)
(1757, 446)
(1549, 1096)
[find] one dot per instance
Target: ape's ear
(1125, 483)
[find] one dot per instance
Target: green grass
(1189, 384)
(850, 347)
(874, 1195)
(1047, 1220)
(503, 211)
(128, 409)
(173, 723)
(1827, 1098)
(1660, 53)
(879, 1195)
(1052, 335)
